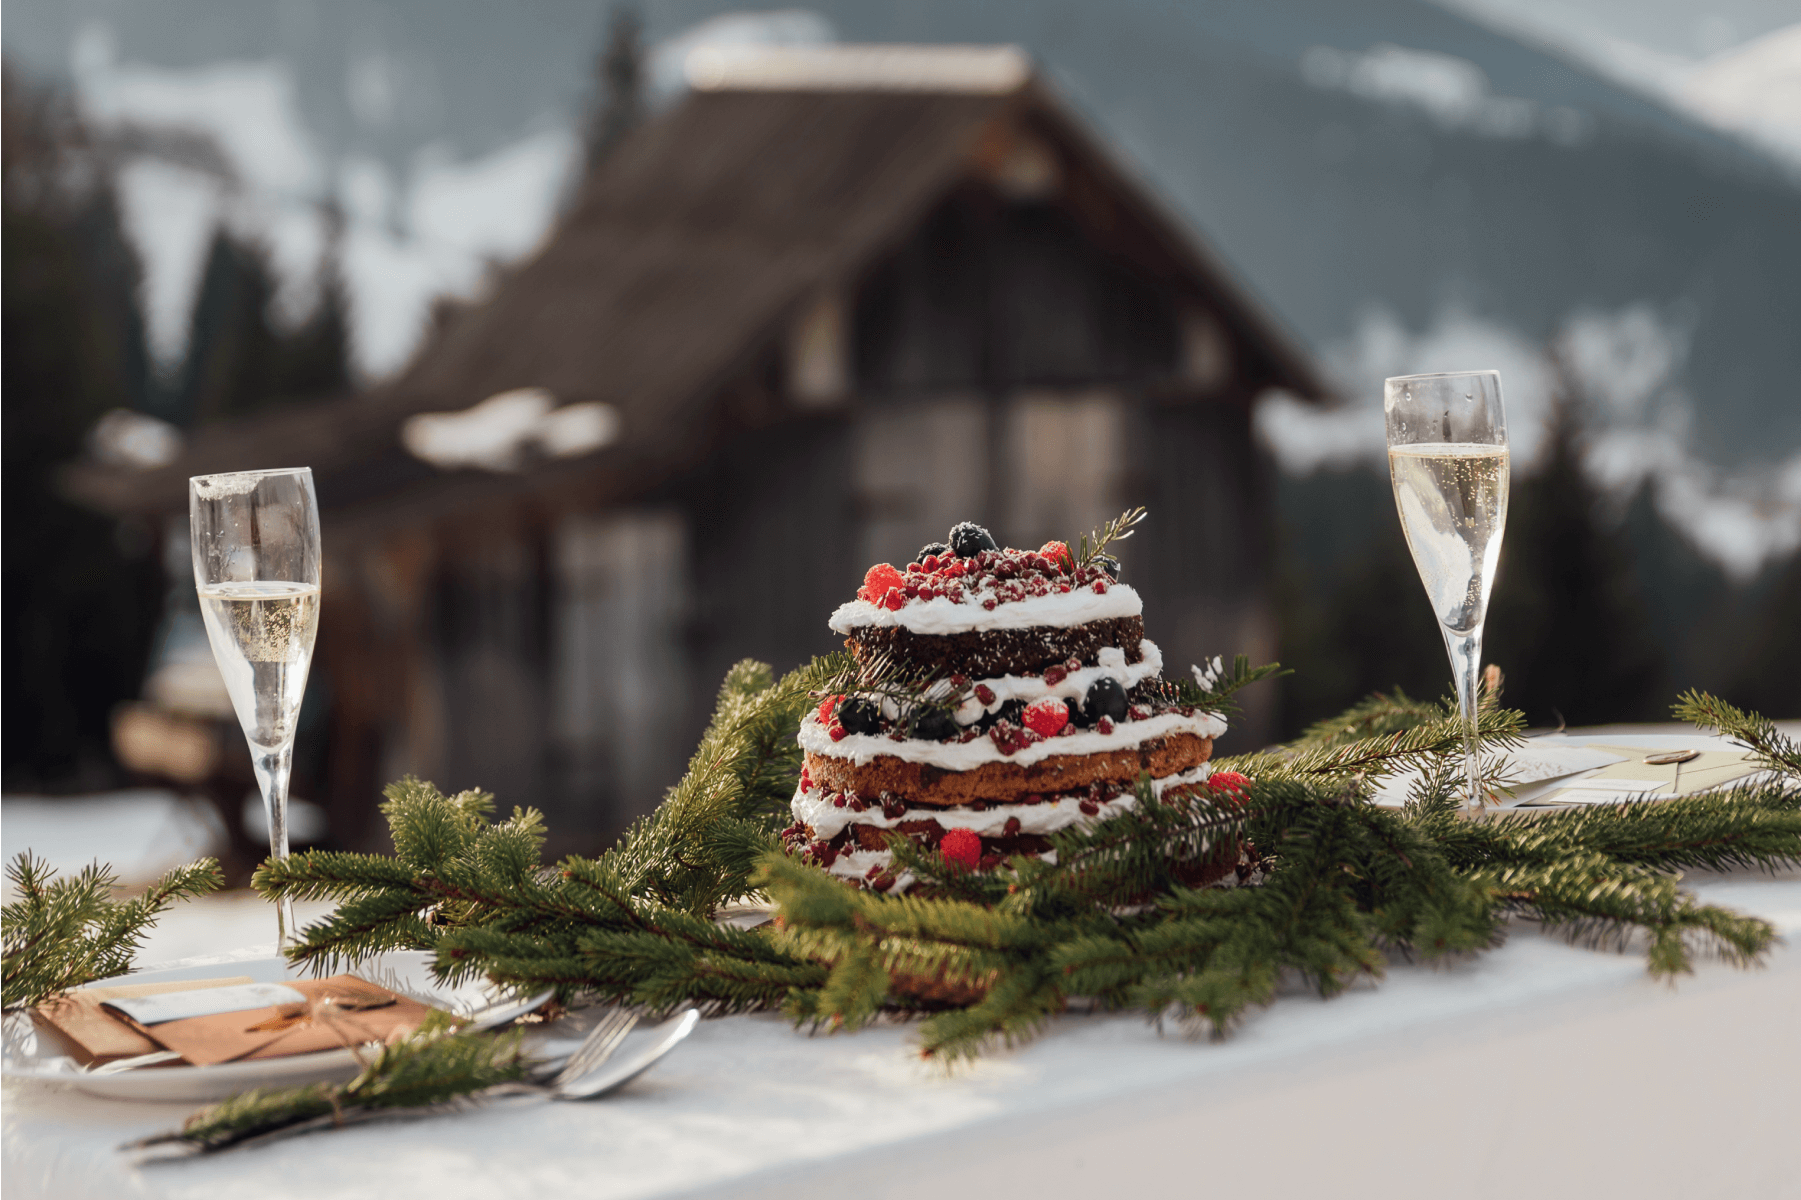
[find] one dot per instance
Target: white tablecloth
(1537, 1070)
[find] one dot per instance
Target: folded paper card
(1635, 778)
(335, 1012)
(296, 1017)
(176, 1006)
(1533, 763)
(97, 1036)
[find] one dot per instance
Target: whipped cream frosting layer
(814, 808)
(1111, 664)
(940, 615)
(856, 864)
(865, 748)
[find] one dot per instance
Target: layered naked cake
(1043, 707)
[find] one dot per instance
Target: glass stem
(272, 770)
(1465, 650)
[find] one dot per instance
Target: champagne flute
(255, 537)
(1447, 460)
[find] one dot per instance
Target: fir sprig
(62, 933)
(433, 1067)
(1221, 684)
(884, 677)
(1758, 734)
(1093, 545)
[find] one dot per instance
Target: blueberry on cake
(1043, 707)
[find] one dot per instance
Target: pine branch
(1774, 749)
(1375, 716)
(906, 686)
(1214, 689)
(62, 933)
(433, 1067)
(1748, 826)
(1378, 756)
(1592, 900)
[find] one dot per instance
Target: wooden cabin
(833, 302)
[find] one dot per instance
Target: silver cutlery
(603, 1078)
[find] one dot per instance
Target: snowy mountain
(1408, 187)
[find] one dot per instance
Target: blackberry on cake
(1042, 705)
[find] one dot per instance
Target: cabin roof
(686, 250)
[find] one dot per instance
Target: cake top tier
(945, 592)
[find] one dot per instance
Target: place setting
(247, 1021)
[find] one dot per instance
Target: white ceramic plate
(38, 1055)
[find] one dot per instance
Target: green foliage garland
(986, 957)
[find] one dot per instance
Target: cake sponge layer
(982, 653)
(1008, 782)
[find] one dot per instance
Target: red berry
(806, 780)
(825, 708)
(1011, 828)
(1229, 785)
(1047, 716)
(1089, 807)
(837, 732)
(961, 846)
(1100, 587)
(878, 580)
(988, 604)
(1104, 725)
(894, 600)
(838, 801)
(1055, 675)
(985, 694)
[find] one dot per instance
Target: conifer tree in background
(239, 360)
(1764, 655)
(79, 599)
(316, 358)
(1568, 623)
(619, 85)
(233, 348)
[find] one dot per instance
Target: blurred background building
(623, 338)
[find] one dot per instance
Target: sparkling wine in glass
(255, 538)
(1447, 460)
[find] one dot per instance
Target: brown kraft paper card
(340, 1011)
(95, 1034)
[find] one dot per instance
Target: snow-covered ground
(141, 834)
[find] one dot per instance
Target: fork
(595, 1049)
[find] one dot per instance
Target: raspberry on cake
(1048, 707)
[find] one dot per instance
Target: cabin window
(920, 468)
(617, 662)
(1064, 463)
(818, 353)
